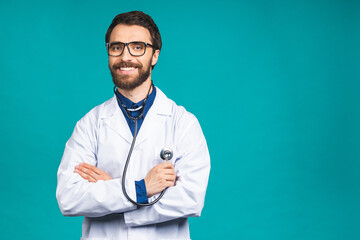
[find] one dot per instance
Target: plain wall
(274, 84)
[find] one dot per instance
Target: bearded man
(136, 166)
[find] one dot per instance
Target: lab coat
(103, 138)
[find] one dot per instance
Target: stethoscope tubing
(131, 150)
(124, 175)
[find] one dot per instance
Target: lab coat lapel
(115, 119)
(155, 118)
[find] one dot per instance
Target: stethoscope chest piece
(166, 154)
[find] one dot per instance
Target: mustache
(126, 64)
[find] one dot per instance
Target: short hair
(137, 18)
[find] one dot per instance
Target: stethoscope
(165, 154)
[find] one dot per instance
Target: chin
(128, 84)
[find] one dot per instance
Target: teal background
(274, 84)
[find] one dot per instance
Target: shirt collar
(162, 105)
(130, 104)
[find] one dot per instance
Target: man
(137, 124)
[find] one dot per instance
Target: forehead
(130, 33)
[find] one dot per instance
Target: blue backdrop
(274, 84)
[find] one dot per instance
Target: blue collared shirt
(141, 194)
(131, 105)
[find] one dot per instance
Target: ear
(155, 57)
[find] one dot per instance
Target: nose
(126, 56)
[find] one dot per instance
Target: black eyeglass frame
(127, 45)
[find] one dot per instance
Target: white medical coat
(103, 138)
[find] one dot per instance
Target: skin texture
(162, 175)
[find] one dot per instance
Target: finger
(170, 178)
(169, 183)
(91, 167)
(95, 172)
(167, 165)
(87, 171)
(169, 171)
(85, 176)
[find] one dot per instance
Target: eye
(116, 47)
(137, 46)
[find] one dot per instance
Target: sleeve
(186, 198)
(141, 194)
(79, 197)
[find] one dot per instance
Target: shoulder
(169, 107)
(181, 117)
(97, 113)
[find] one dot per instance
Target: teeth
(127, 69)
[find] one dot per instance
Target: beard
(124, 81)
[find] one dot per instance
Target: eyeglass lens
(136, 48)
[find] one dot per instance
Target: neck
(137, 94)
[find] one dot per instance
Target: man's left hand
(91, 173)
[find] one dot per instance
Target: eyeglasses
(136, 49)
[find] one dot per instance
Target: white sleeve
(186, 198)
(79, 197)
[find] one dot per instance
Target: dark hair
(137, 18)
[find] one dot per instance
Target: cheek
(147, 59)
(144, 62)
(111, 61)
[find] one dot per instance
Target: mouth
(126, 70)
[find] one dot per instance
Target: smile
(126, 70)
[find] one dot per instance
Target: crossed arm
(101, 194)
(159, 177)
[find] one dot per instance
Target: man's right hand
(160, 177)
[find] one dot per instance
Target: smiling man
(136, 166)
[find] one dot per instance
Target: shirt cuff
(141, 195)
